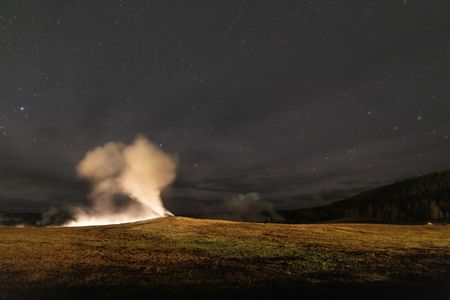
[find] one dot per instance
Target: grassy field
(190, 258)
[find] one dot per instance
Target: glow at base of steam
(87, 220)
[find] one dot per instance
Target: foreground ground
(189, 258)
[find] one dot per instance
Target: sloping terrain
(189, 258)
(421, 199)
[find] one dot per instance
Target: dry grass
(171, 253)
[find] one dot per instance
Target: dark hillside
(421, 199)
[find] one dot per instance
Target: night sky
(303, 102)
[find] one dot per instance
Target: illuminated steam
(127, 181)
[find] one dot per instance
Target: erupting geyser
(139, 171)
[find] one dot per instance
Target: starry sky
(303, 102)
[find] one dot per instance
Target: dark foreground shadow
(363, 291)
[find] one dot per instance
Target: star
(3, 129)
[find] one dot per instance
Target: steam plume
(139, 172)
(251, 208)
